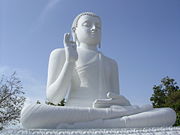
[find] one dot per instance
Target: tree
(62, 103)
(11, 100)
(167, 94)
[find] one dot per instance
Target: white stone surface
(109, 131)
(92, 81)
(47, 116)
(81, 68)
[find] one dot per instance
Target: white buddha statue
(90, 82)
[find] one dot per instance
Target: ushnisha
(90, 81)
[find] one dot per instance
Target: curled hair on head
(75, 23)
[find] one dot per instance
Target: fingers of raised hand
(66, 39)
(68, 42)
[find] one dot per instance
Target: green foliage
(38, 102)
(167, 94)
(62, 103)
(11, 100)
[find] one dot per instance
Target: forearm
(58, 89)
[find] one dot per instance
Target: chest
(85, 57)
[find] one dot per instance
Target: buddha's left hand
(112, 99)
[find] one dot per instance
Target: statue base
(107, 131)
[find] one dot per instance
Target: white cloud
(34, 88)
(52, 3)
(41, 19)
(47, 8)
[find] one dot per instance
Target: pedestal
(110, 131)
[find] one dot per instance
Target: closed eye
(87, 24)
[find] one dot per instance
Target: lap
(47, 116)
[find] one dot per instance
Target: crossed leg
(45, 116)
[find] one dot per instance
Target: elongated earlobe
(99, 45)
(74, 36)
(75, 39)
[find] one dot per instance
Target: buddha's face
(88, 30)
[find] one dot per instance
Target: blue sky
(143, 36)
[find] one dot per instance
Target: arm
(59, 76)
(113, 97)
(115, 94)
(61, 65)
(114, 78)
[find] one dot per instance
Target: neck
(89, 47)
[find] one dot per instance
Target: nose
(93, 28)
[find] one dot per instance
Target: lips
(93, 33)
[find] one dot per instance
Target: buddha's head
(86, 28)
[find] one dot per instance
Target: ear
(75, 37)
(99, 45)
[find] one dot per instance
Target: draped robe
(93, 80)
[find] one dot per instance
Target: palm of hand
(70, 49)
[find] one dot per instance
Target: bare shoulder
(58, 52)
(57, 55)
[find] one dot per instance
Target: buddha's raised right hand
(70, 49)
